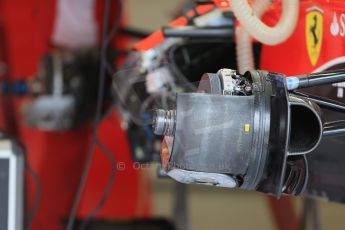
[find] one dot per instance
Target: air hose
(263, 33)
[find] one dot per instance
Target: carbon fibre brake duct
(249, 131)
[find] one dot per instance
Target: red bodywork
(58, 157)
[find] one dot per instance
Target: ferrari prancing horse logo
(314, 30)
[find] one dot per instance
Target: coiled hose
(263, 33)
(244, 50)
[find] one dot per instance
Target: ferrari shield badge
(313, 33)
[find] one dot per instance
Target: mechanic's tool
(63, 91)
(245, 131)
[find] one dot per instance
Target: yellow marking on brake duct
(247, 128)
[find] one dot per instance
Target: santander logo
(337, 27)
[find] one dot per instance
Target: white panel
(75, 24)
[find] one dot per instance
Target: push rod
(335, 128)
(315, 79)
(324, 102)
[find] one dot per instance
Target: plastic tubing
(263, 33)
(244, 50)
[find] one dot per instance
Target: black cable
(98, 118)
(109, 184)
(107, 189)
(116, 25)
(31, 215)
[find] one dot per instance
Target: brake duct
(248, 131)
